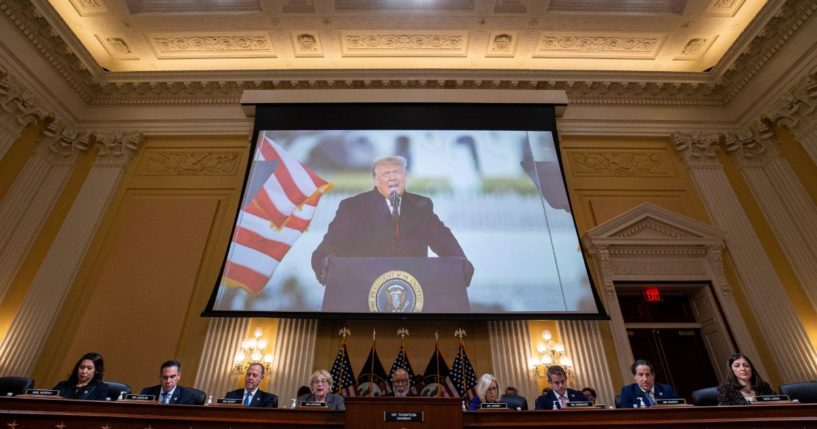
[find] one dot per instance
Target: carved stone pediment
(651, 224)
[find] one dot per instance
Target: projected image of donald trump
(386, 221)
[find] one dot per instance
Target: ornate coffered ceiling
(208, 35)
(654, 52)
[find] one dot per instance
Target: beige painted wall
(153, 262)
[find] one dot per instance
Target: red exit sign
(652, 294)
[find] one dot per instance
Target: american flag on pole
(463, 375)
(402, 361)
(275, 216)
(342, 374)
(372, 378)
(438, 375)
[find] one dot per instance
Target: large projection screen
(483, 187)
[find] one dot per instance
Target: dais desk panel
(33, 413)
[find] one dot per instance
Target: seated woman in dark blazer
(742, 382)
(320, 384)
(85, 380)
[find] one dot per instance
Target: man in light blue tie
(251, 395)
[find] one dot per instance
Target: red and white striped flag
(270, 223)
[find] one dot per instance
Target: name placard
(673, 401)
(579, 404)
(42, 392)
(138, 397)
(229, 401)
(403, 416)
(772, 398)
(494, 405)
(313, 404)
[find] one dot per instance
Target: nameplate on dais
(772, 398)
(403, 416)
(138, 397)
(673, 401)
(42, 392)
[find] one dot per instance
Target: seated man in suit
(251, 395)
(401, 387)
(513, 399)
(169, 391)
(645, 390)
(590, 394)
(559, 395)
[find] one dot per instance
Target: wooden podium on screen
(396, 285)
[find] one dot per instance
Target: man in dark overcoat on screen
(386, 222)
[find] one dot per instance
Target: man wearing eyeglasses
(401, 386)
(169, 391)
(386, 222)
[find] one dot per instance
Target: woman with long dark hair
(742, 384)
(85, 380)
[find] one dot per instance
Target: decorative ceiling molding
(582, 87)
(207, 45)
(797, 108)
(18, 103)
(775, 33)
(404, 43)
(553, 45)
(51, 46)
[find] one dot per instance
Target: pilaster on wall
(30, 327)
(797, 110)
(652, 244)
(510, 353)
(293, 355)
(787, 205)
(776, 317)
(600, 255)
(33, 194)
(582, 340)
(17, 111)
(224, 337)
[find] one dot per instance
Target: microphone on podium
(394, 199)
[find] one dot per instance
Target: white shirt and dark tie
(248, 397)
(649, 397)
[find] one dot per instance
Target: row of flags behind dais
(438, 379)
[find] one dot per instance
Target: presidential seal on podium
(396, 292)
